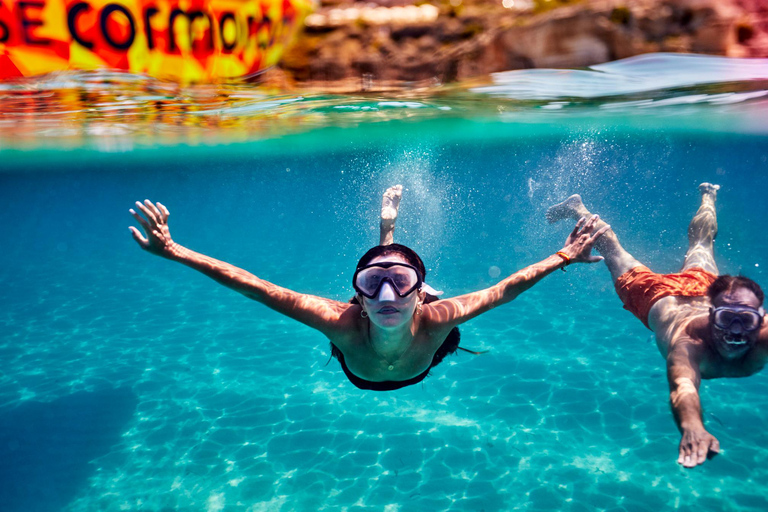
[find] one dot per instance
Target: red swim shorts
(639, 288)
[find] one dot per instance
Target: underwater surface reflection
(119, 111)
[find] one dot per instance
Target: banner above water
(190, 41)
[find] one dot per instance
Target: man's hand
(158, 237)
(695, 446)
(578, 246)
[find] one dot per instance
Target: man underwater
(707, 325)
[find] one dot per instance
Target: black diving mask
(403, 278)
(749, 319)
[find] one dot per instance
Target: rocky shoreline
(349, 46)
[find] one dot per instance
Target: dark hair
(384, 250)
(726, 283)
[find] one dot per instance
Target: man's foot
(390, 204)
(709, 188)
(571, 208)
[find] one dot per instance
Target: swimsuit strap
(387, 385)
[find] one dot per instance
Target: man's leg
(390, 203)
(702, 232)
(619, 261)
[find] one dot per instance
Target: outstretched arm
(684, 380)
(325, 315)
(578, 248)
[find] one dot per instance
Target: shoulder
(432, 326)
(762, 337)
(687, 337)
(760, 350)
(339, 321)
(437, 316)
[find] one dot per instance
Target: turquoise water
(130, 383)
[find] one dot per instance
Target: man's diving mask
(749, 319)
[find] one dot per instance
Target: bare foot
(390, 203)
(571, 208)
(709, 188)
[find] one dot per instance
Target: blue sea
(128, 382)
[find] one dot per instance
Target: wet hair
(408, 254)
(726, 283)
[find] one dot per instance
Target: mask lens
(369, 279)
(403, 279)
(724, 318)
(749, 320)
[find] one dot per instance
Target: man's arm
(684, 380)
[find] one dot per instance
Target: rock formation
(356, 46)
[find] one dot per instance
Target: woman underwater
(391, 334)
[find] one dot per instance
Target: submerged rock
(361, 46)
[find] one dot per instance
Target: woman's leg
(390, 204)
(702, 232)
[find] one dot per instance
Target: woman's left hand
(158, 237)
(578, 246)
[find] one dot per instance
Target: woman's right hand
(158, 237)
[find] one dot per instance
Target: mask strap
(428, 289)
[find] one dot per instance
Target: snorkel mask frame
(386, 265)
(736, 310)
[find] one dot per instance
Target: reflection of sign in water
(184, 40)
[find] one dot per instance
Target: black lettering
(265, 22)
(6, 31)
(228, 46)
(171, 36)
(28, 23)
(72, 15)
(192, 15)
(254, 25)
(104, 18)
(148, 13)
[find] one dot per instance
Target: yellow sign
(186, 40)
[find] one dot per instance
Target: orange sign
(186, 40)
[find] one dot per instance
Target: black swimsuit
(449, 346)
